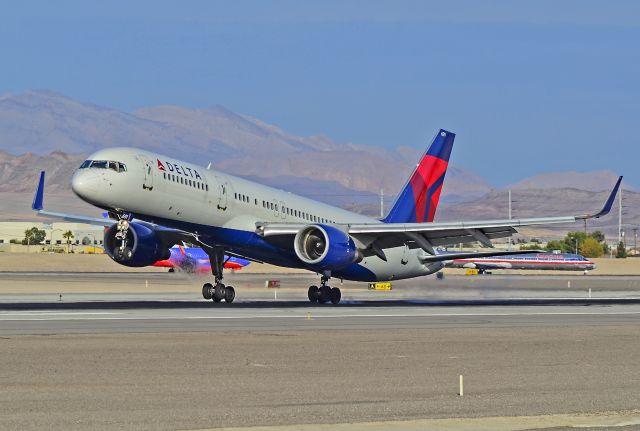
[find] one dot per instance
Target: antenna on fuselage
(209, 166)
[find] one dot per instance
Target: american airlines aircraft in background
(196, 260)
(537, 261)
(157, 201)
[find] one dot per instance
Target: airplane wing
(378, 236)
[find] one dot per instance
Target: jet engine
(325, 247)
(143, 246)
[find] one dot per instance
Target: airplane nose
(85, 184)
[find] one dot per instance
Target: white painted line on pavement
(317, 316)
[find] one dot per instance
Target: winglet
(38, 199)
(607, 206)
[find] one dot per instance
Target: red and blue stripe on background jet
(196, 260)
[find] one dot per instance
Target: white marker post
(589, 293)
(461, 393)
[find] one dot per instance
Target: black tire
(122, 255)
(336, 295)
(324, 294)
(313, 294)
(207, 290)
(229, 294)
(218, 292)
(173, 270)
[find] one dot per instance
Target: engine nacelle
(144, 247)
(325, 247)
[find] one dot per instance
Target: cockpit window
(99, 164)
(104, 164)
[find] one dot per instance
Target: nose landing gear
(123, 252)
(324, 293)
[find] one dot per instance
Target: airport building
(84, 235)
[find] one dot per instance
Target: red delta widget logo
(178, 169)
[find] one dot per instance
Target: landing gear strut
(122, 252)
(324, 293)
(218, 291)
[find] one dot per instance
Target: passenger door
(148, 174)
(283, 210)
(223, 193)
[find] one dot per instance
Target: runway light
(308, 315)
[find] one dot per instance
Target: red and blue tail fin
(418, 200)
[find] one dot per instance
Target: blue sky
(529, 87)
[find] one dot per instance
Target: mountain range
(42, 130)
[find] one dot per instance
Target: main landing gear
(218, 291)
(324, 293)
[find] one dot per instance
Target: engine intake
(143, 248)
(325, 247)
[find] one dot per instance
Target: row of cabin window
(289, 211)
(191, 183)
(295, 213)
(243, 198)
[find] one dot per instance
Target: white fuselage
(223, 208)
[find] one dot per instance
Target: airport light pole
(510, 237)
(620, 234)
(51, 238)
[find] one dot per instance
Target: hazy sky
(530, 87)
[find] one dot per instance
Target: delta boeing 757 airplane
(156, 201)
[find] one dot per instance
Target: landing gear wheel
(313, 294)
(121, 254)
(218, 292)
(229, 294)
(335, 295)
(207, 291)
(324, 294)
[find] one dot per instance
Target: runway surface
(176, 319)
(153, 355)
